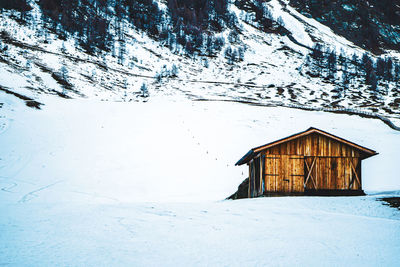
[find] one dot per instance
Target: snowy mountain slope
(274, 70)
(86, 182)
(103, 175)
(371, 24)
(85, 150)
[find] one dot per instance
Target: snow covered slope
(160, 150)
(274, 71)
(94, 183)
(114, 178)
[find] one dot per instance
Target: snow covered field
(297, 231)
(89, 183)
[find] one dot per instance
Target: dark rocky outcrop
(242, 192)
(393, 202)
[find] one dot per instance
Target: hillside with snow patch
(275, 69)
(87, 182)
(166, 150)
(97, 170)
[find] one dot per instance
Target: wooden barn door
(272, 167)
(284, 173)
(332, 173)
(296, 173)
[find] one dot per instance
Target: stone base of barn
(243, 192)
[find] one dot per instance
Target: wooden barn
(312, 162)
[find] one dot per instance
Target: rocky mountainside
(373, 25)
(262, 52)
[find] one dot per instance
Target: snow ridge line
(348, 111)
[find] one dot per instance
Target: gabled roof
(254, 151)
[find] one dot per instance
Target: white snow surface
(108, 180)
(96, 183)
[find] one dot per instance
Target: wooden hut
(312, 162)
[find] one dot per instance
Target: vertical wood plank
(316, 172)
(261, 170)
(249, 194)
(277, 168)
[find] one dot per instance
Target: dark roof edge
(246, 158)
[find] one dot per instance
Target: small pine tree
(235, 56)
(158, 77)
(317, 55)
(373, 81)
(397, 72)
(345, 78)
(174, 71)
(332, 64)
(64, 75)
(64, 71)
(144, 91)
(389, 69)
(209, 45)
(233, 37)
(206, 63)
(172, 41)
(121, 54)
(380, 67)
(356, 63)
(317, 51)
(366, 61)
(368, 67)
(63, 49)
(280, 22)
(355, 59)
(228, 53)
(125, 83)
(189, 48)
(342, 57)
(218, 43)
(240, 54)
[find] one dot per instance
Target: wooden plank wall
(314, 145)
(256, 180)
(334, 173)
(272, 166)
(296, 173)
(285, 168)
(284, 173)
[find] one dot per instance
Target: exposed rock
(243, 190)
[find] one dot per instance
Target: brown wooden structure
(312, 162)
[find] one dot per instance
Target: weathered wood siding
(314, 145)
(333, 173)
(284, 173)
(312, 162)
